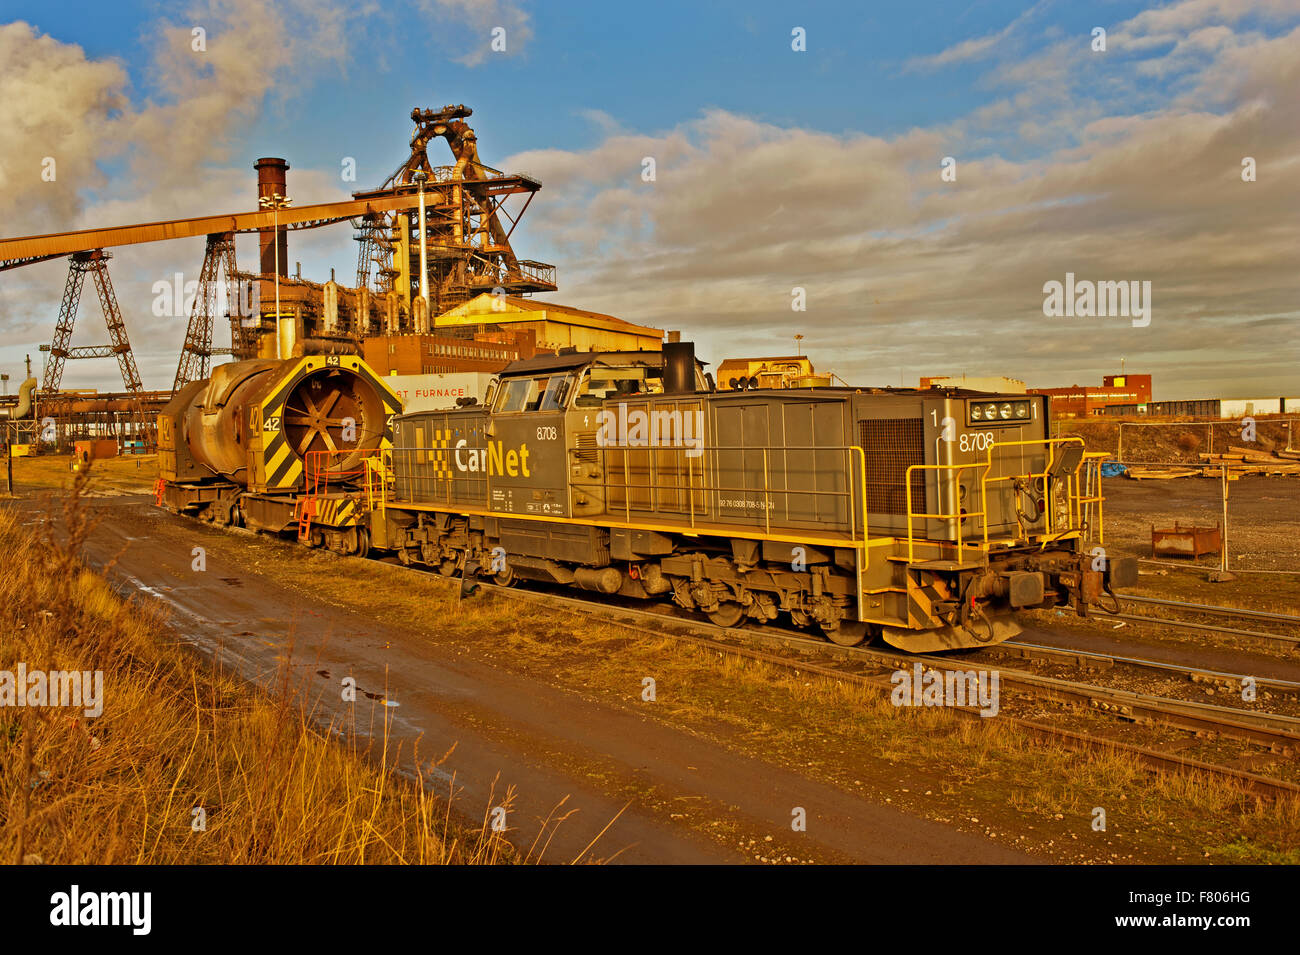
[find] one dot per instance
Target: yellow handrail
(1076, 498)
(1051, 456)
(957, 516)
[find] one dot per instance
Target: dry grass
(839, 731)
(126, 474)
(175, 735)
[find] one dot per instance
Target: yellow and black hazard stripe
(338, 511)
(282, 467)
(921, 598)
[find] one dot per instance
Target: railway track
(871, 666)
(1090, 659)
(1093, 659)
(1289, 621)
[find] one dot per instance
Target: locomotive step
(939, 564)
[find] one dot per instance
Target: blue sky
(1119, 165)
(646, 66)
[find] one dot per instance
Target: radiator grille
(892, 445)
(586, 451)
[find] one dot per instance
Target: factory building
(441, 353)
(790, 371)
(435, 392)
(489, 332)
(1227, 408)
(996, 384)
(553, 326)
(1085, 401)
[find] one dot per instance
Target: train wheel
(727, 614)
(349, 543)
(363, 542)
(848, 634)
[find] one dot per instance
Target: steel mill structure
(431, 238)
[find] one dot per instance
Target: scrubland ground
(185, 764)
(978, 778)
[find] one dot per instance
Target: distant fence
(1209, 427)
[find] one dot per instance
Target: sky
(897, 183)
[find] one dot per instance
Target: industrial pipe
(24, 407)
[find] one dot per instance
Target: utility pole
(420, 176)
(275, 202)
(1222, 574)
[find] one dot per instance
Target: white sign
(436, 392)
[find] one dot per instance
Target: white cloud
(482, 18)
(903, 270)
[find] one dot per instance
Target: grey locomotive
(922, 516)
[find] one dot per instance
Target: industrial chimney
(270, 180)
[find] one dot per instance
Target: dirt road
(556, 751)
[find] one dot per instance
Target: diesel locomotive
(923, 517)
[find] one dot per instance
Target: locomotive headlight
(999, 411)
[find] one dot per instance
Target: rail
(667, 489)
(959, 517)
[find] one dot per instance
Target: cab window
(556, 393)
(601, 384)
(513, 395)
(536, 393)
(544, 393)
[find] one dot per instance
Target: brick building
(1085, 401)
(446, 353)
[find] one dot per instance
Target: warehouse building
(995, 384)
(1226, 408)
(553, 326)
(1085, 401)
